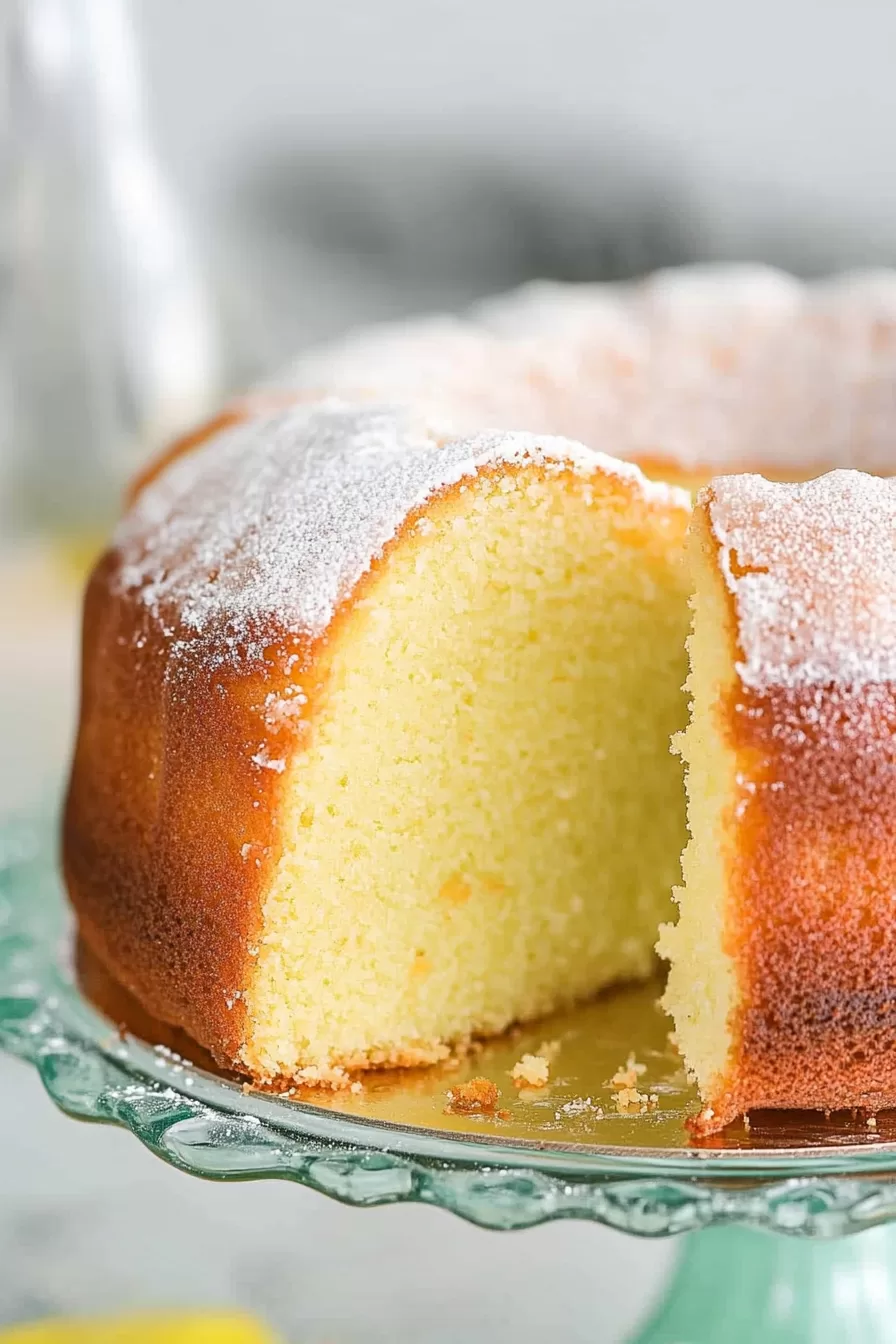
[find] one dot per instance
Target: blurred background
(190, 192)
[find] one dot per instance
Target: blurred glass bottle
(108, 337)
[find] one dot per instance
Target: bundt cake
(376, 702)
(783, 963)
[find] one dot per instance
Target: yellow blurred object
(77, 553)
(192, 1328)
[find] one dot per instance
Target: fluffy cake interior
(486, 819)
(701, 993)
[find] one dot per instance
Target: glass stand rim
(210, 1127)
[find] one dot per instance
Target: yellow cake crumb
(531, 1071)
(479, 1094)
(697, 945)
(421, 965)
(314, 1075)
(502, 876)
(456, 889)
(629, 1100)
(628, 1075)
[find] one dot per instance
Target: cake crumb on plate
(531, 1071)
(579, 1106)
(479, 1094)
(630, 1101)
(628, 1075)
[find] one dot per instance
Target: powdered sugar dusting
(813, 571)
(277, 519)
(706, 367)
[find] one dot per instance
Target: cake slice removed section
(783, 962)
(484, 821)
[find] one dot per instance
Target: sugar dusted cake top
(812, 568)
(280, 516)
(718, 367)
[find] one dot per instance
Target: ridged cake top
(718, 367)
(276, 519)
(812, 568)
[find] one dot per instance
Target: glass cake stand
(565, 1151)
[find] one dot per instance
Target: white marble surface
(91, 1222)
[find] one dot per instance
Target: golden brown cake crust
(168, 830)
(812, 861)
(812, 919)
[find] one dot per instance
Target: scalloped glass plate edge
(210, 1128)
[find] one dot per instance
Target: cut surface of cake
(783, 963)
(374, 743)
(373, 753)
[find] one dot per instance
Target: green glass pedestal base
(736, 1286)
